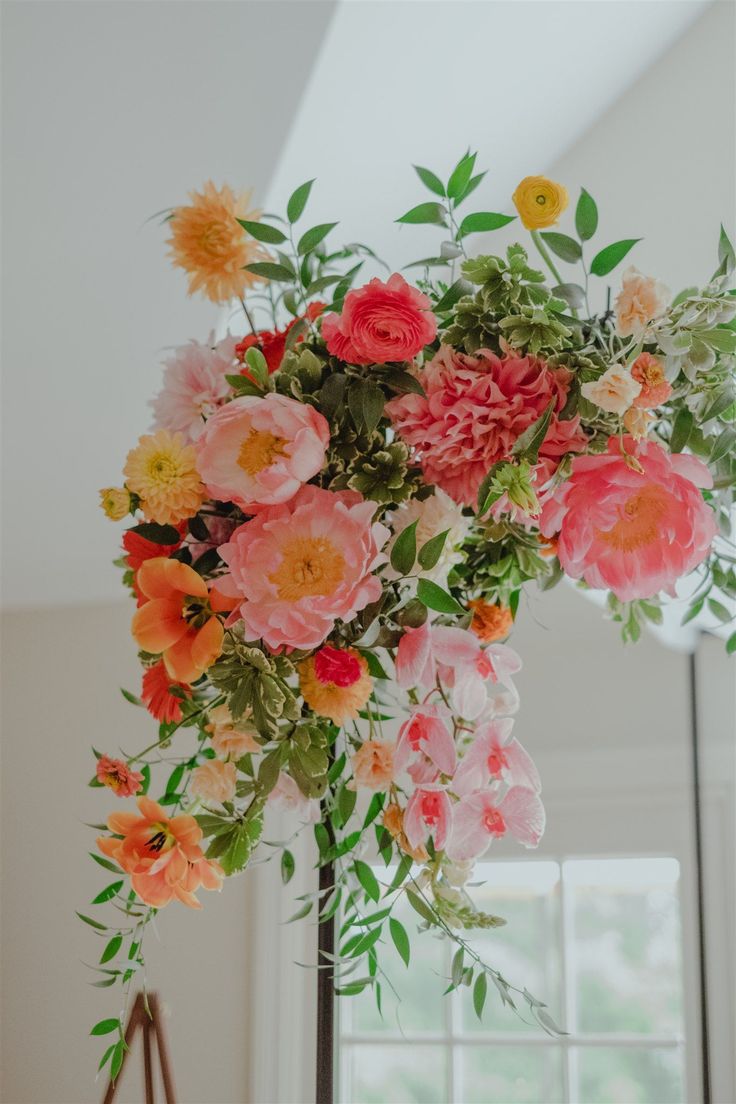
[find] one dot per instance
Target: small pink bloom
(655, 388)
(480, 817)
(287, 797)
(425, 735)
(380, 322)
(494, 757)
(635, 532)
(194, 387)
(373, 766)
(259, 451)
(614, 391)
(640, 301)
(300, 567)
(118, 777)
(428, 813)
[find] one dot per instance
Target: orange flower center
(639, 520)
(259, 450)
(310, 567)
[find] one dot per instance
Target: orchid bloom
(425, 745)
(479, 818)
(287, 797)
(428, 813)
(493, 757)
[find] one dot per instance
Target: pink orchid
(480, 817)
(428, 813)
(287, 797)
(493, 757)
(425, 742)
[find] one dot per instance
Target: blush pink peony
(633, 528)
(475, 409)
(380, 322)
(194, 387)
(300, 567)
(259, 451)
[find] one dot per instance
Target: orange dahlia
(162, 471)
(212, 248)
(490, 622)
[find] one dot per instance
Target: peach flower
(380, 322)
(259, 451)
(490, 622)
(655, 389)
(214, 781)
(373, 765)
(393, 822)
(300, 567)
(335, 683)
(162, 471)
(637, 422)
(161, 854)
(640, 301)
(230, 739)
(118, 777)
(614, 391)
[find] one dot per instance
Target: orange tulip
(176, 619)
(161, 854)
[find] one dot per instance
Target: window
(599, 939)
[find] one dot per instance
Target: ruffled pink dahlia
(194, 387)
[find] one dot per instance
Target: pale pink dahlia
(632, 531)
(474, 410)
(303, 566)
(194, 387)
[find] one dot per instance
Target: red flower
(157, 696)
(339, 666)
(139, 549)
(272, 343)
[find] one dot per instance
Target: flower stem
(544, 252)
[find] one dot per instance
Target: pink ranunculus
(287, 797)
(428, 813)
(259, 451)
(380, 322)
(480, 817)
(194, 387)
(302, 566)
(493, 756)
(425, 736)
(473, 411)
(632, 527)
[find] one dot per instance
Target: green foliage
(255, 682)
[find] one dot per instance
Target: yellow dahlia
(208, 243)
(335, 683)
(539, 201)
(162, 471)
(115, 501)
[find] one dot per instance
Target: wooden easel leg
(164, 1060)
(147, 1064)
(137, 1018)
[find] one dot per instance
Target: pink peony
(475, 409)
(380, 322)
(258, 452)
(428, 813)
(493, 757)
(303, 566)
(481, 817)
(426, 741)
(632, 531)
(194, 387)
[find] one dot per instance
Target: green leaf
(108, 893)
(726, 254)
(563, 246)
(159, 534)
(425, 213)
(104, 1027)
(262, 232)
(681, 430)
(106, 1056)
(321, 283)
(480, 990)
(366, 401)
(92, 923)
(482, 221)
(605, 261)
(401, 872)
(111, 949)
(375, 668)
(725, 443)
(469, 188)
(129, 698)
(454, 292)
(117, 1059)
(731, 644)
(431, 551)
(111, 866)
(456, 969)
(434, 597)
(287, 866)
(400, 938)
(586, 216)
(419, 905)
(257, 364)
(367, 879)
(301, 913)
(430, 181)
(528, 444)
(271, 271)
(461, 175)
(404, 551)
(313, 237)
(298, 201)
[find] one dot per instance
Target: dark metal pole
(325, 996)
(700, 880)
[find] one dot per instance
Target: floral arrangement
(330, 525)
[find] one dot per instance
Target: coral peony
(480, 817)
(118, 777)
(373, 766)
(302, 566)
(157, 696)
(434, 515)
(230, 739)
(162, 471)
(259, 451)
(335, 683)
(493, 757)
(214, 780)
(655, 389)
(474, 410)
(177, 620)
(194, 387)
(634, 526)
(161, 854)
(614, 391)
(640, 301)
(490, 622)
(539, 201)
(380, 322)
(207, 242)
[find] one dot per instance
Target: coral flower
(212, 248)
(631, 524)
(194, 387)
(300, 567)
(473, 411)
(259, 451)
(162, 471)
(157, 696)
(393, 822)
(480, 817)
(230, 739)
(335, 683)
(214, 780)
(425, 736)
(373, 766)
(655, 389)
(428, 814)
(539, 201)
(380, 322)
(118, 777)
(161, 854)
(177, 621)
(490, 622)
(493, 757)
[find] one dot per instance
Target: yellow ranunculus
(540, 201)
(115, 501)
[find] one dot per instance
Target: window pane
(510, 1075)
(625, 944)
(637, 1076)
(526, 950)
(408, 1074)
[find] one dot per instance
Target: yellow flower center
(310, 567)
(639, 520)
(541, 199)
(161, 838)
(162, 468)
(259, 450)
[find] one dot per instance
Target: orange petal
(186, 829)
(186, 898)
(207, 644)
(150, 809)
(158, 625)
(223, 603)
(108, 846)
(122, 823)
(161, 577)
(178, 659)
